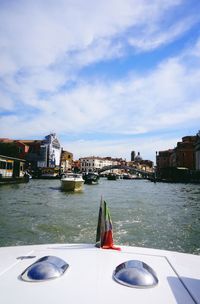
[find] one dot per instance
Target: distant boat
(91, 178)
(130, 176)
(72, 182)
(112, 176)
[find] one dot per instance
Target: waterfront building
(66, 161)
(145, 165)
(32, 152)
(163, 160)
(22, 149)
(137, 162)
(50, 152)
(76, 165)
(93, 163)
(185, 152)
(44, 153)
(13, 148)
(197, 152)
(183, 155)
(179, 164)
(11, 167)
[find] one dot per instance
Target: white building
(50, 152)
(93, 163)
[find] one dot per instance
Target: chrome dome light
(46, 268)
(135, 273)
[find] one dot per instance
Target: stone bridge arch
(132, 169)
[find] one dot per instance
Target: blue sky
(107, 77)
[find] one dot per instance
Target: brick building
(197, 152)
(185, 152)
(180, 162)
(163, 160)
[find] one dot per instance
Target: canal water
(158, 215)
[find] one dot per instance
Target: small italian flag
(104, 236)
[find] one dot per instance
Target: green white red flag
(104, 236)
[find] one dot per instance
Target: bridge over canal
(144, 174)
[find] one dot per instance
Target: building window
(2, 165)
(9, 166)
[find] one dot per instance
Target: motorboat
(72, 182)
(91, 178)
(130, 176)
(112, 176)
(98, 273)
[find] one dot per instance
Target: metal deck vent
(46, 268)
(135, 274)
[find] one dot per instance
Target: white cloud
(155, 36)
(44, 48)
(34, 34)
(164, 99)
(6, 102)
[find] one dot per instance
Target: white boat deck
(89, 278)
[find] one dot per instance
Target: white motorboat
(82, 273)
(72, 182)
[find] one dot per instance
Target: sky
(108, 77)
